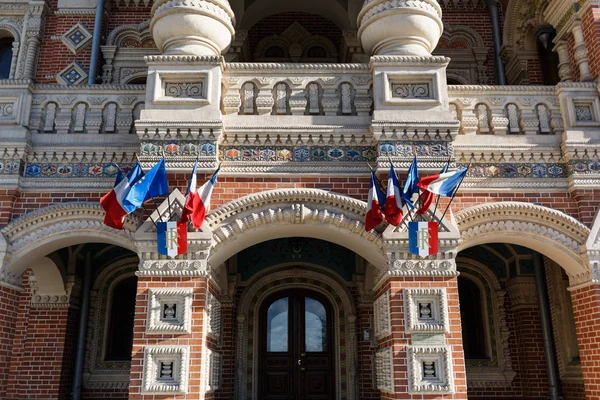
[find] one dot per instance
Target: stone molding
(42, 227)
(182, 322)
(382, 320)
(384, 369)
(180, 356)
(437, 322)
(560, 236)
(442, 357)
(522, 292)
(291, 207)
(324, 285)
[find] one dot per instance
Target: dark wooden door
(296, 354)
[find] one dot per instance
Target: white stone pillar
(565, 72)
(581, 53)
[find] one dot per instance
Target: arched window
(119, 337)
(316, 52)
(274, 52)
(6, 55)
(471, 314)
(137, 81)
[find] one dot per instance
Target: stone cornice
(272, 68)
(397, 61)
(184, 59)
(501, 90)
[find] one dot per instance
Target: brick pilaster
(412, 347)
(9, 300)
(194, 341)
(586, 308)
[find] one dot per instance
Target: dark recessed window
(316, 52)
(120, 327)
(471, 314)
(274, 52)
(6, 54)
(137, 81)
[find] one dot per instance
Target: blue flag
(410, 194)
(153, 184)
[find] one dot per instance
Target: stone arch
(43, 231)
(140, 32)
(293, 212)
(268, 282)
(556, 235)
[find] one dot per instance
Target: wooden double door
(296, 347)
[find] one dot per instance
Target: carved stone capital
(521, 291)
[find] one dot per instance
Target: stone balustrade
(297, 89)
(506, 110)
(85, 110)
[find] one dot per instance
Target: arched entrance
(295, 346)
(308, 293)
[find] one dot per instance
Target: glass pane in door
(277, 326)
(315, 326)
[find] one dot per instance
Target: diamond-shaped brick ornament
(77, 38)
(73, 74)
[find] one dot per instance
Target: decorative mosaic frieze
(404, 148)
(179, 148)
(429, 370)
(298, 153)
(426, 310)
(584, 167)
(516, 170)
(169, 311)
(384, 369)
(166, 369)
(74, 170)
(382, 319)
(173, 268)
(10, 167)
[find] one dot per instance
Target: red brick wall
(9, 300)
(590, 21)
(41, 363)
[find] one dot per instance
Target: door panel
(296, 357)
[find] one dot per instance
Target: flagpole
(454, 194)
(162, 150)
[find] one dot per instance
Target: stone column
(31, 39)
(528, 336)
(565, 72)
(581, 53)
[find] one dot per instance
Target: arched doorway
(296, 352)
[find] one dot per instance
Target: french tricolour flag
(172, 238)
(199, 204)
(376, 199)
(423, 238)
(443, 184)
(112, 202)
(393, 201)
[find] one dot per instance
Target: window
(316, 52)
(274, 52)
(6, 54)
(119, 338)
(471, 314)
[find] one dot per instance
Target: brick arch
(282, 213)
(43, 231)
(550, 232)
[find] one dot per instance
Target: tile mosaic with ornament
(10, 167)
(179, 148)
(516, 170)
(417, 148)
(75, 170)
(584, 167)
(298, 153)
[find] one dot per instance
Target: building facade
(283, 294)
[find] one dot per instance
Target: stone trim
(153, 357)
(441, 382)
(382, 319)
(433, 303)
(182, 319)
(384, 370)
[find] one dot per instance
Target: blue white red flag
(410, 194)
(191, 192)
(423, 238)
(376, 200)
(112, 202)
(171, 238)
(443, 184)
(426, 196)
(199, 205)
(393, 201)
